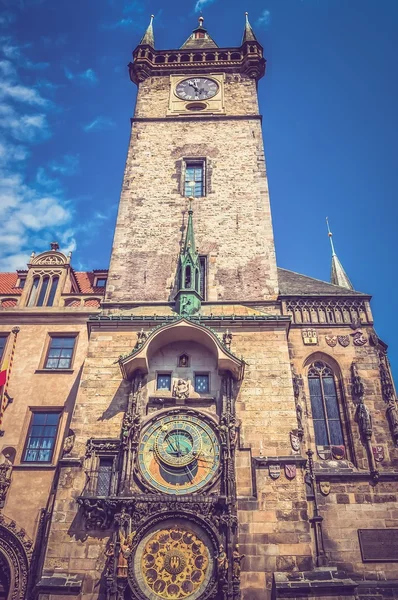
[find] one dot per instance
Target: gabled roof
(8, 281)
(85, 281)
(295, 284)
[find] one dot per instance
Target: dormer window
(21, 282)
(100, 282)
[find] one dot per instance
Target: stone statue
(237, 558)
(69, 442)
(364, 420)
(181, 389)
(222, 563)
(126, 546)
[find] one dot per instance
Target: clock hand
(190, 474)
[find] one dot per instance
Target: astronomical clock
(173, 500)
(179, 453)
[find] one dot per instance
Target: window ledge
(34, 465)
(54, 371)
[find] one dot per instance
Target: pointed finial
(338, 276)
(330, 234)
(248, 34)
(149, 38)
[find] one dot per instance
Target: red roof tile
(85, 280)
(8, 282)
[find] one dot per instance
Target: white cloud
(201, 3)
(87, 76)
(264, 19)
(22, 93)
(99, 124)
(24, 127)
(7, 69)
(68, 165)
(33, 211)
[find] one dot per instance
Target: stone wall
(232, 222)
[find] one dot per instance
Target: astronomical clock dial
(179, 454)
(197, 88)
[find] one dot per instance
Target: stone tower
(182, 131)
(194, 423)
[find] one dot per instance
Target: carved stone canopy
(50, 258)
(183, 330)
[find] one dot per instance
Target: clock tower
(196, 132)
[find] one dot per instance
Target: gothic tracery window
(324, 405)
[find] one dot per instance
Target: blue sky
(329, 102)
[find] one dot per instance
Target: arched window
(33, 292)
(43, 291)
(324, 404)
(53, 289)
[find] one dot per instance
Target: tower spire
(149, 38)
(248, 34)
(188, 298)
(199, 38)
(337, 275)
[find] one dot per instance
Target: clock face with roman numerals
(197, 88)
(179, 454)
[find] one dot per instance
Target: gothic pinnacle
(248, 34)
(338, 276)
(149, 38)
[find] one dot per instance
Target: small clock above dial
(197, 88)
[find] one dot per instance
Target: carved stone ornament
(237, 560)
(364, 419)
(331, 340)
(338, 452)
(69, 442)
(359, 338)
(344, 340)
(358, 389)
(181, 389)
(324, 452)
(96, 513)
(5, 480)
(290, 471)
(355, 322)
(295, 441)
(227, 339)
(310, 337)
(373, 338)
(324, 487)
(17, 548)
(378, 453)
(274, 471)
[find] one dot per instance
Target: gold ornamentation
(310, 337)
(174, 563)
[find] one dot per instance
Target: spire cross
(330, 234)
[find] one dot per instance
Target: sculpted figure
(237, 558)
(222, 563)
(181, 389)
(126, 545)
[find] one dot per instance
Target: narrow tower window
(194, 179)
(203, 277)
(33, 291)
(324, 404)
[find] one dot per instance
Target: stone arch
(326, 358)
(15, 554)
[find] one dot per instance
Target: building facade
(194, 422)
